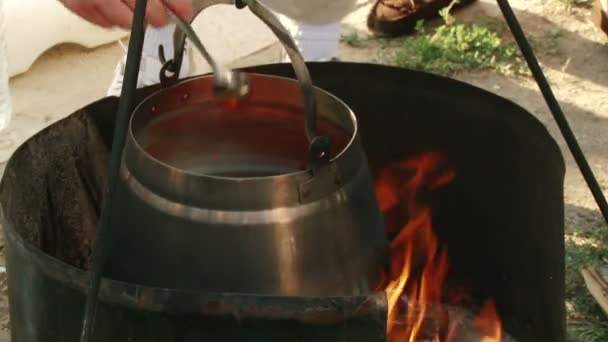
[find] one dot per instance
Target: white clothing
(313, 12)
(5, 99)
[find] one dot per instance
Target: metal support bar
(558, 114)
(125, 107)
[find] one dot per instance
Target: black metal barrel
(504, 210)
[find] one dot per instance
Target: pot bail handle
(298, 63)
(235, 83)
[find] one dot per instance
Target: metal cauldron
(254, 195)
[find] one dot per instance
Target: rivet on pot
(305, 192)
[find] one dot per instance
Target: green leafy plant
(454, 47)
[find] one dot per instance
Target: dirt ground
(574, 59)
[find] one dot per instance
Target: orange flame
(419, 265)
(486, 323)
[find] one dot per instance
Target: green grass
(455, 47)
(586, 321)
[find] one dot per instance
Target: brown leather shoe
(399, 17)
(600, 15)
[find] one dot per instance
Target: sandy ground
(68, 77)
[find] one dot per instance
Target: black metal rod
(125, 107)
(558, 114)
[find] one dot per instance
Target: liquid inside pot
(244, 141)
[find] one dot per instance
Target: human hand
(112, 13)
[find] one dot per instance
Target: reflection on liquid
(250, 140)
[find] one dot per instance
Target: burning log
(449, 323)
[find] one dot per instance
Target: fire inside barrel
(419, 264)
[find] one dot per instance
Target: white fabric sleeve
(313, 12)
